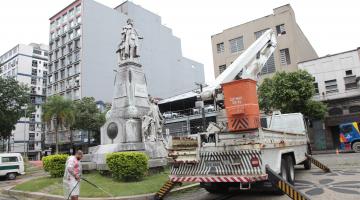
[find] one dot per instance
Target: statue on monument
(152, 123)
(129, 45)
(134, 122)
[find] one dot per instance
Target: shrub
(127, 166)
(55, 164)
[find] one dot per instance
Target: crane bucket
(241, 104)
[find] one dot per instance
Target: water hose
(93, 184)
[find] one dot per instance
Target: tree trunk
(56, 140)
(9, 145)
(71, 141)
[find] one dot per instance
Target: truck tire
(307, 164)
(11, 176)
(290, 169)
(356, 147)
(283, 173)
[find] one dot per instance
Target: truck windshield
(347, 129)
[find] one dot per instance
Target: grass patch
(49, 185)
(39, 184)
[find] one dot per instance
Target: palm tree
(60, 112)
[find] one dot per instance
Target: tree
(290, 92)
(88, 116)
(60, 112)
(13, 96)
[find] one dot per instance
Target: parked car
(209, 108)
(170, 115)
(11, 165)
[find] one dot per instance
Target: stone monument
(134, 122)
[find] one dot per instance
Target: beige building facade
(293, 46)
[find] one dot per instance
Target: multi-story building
(292, 46)
(28, 65)
(84, 37)
(336, 81)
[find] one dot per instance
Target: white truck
(223, 157)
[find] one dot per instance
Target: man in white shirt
(71, 180)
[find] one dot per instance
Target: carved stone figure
(129, 46)
(152, 123)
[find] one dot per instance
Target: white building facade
(336, 81)
(28, 65)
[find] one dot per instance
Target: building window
(62, 74)
(335, 111)
(33, 81)
(348, 72)
(31, 146)
(222, 68)
(76, 68)
(220, 47)
(32, 136)
(78, 20)
(354, 109)
(34, 63)
(236, 44)
(77, 44)
(72, 23)
(350, 82)
(331, 86)
(285, 57)
(259, 33)
(33, 72)
(269, 66)
(78, 9)
(71, 13)
(71, 35)
(56, 76)
(35, 51)
(280, 29)
(78, 32)
(316, 87)
(65, 17)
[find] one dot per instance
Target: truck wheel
(356, 147)
(307, 164)
(284, 174)
(290, 169)
(11, 176)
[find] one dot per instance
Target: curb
(43, 196)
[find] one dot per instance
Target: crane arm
(249, 64)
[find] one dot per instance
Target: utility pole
(202, 108)
(25, 149)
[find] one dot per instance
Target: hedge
(127, 166)
(55, 164)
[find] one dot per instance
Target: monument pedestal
(122, 130)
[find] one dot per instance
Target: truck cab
(350, 136)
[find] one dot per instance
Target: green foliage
(88, 116)
(127, 166)
(290, 92)
(55, 164)
(13, 96)
(60, 111)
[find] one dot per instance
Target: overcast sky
(331, 26)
